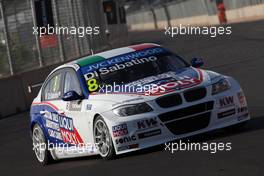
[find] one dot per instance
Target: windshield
(136, 69)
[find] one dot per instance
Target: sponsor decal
(242, 109)
(185, 82)
(74, 106)
(242, 99)
(226, 102)
(104, 63)
(55, 134)
(126, 139)
(68, 132)
(243, 117)
(132, 146)
(147, 123)
(52, 125)
(227, 113)
(62, 128)
(120, 130)
(149, 134)
(117, 67)
(89, 107)
(52, 95)
(65, 123)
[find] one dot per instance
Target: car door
(51, 108)
(76, 110)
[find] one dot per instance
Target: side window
(71, 83)
(53, 88)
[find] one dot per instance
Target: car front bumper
(168, 124)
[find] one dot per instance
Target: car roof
(84, 61)
(106, 55)
(112, 53)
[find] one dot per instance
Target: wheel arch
(33, 123)
(95, 116)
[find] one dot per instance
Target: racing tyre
(103, 139)
(40, 146)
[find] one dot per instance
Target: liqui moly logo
(68, 132)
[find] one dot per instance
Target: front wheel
(102, 139)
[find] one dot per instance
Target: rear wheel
(40, 146)
(103, 139)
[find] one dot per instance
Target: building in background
(21, 51)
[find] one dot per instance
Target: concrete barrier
(233, 15)
(197, 20)
(14, 94)
(246, 13)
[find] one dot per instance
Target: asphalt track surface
(240, 55)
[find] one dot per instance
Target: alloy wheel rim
(102, 138)
(39, 144)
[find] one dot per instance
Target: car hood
(171, 82)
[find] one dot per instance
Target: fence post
(33, 11)
(56, 19)
(88, 22)
(154, 17)
(2, 9)
(167, 13)
(72, 12)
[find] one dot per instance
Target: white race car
(128, 99)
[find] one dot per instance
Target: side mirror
(71, 96)
(197, 62)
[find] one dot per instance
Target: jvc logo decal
(147, 123)
(226, 101)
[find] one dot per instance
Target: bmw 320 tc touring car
(129, 99)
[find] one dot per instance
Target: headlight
(220, 86)
(128, 110)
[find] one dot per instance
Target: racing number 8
(92, 85)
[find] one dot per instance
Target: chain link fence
(21, 51)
